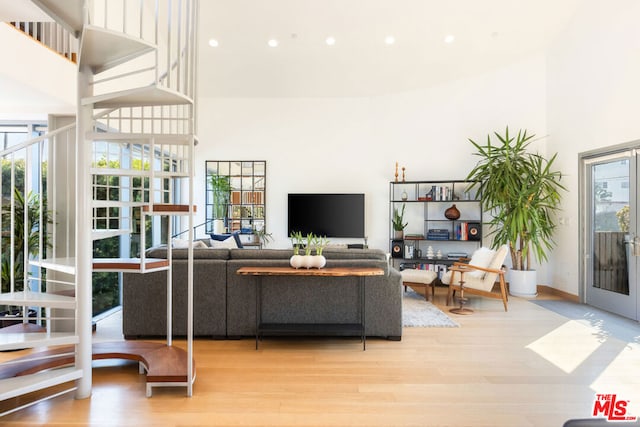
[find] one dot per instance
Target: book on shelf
(439, 193)
(438, 234)
(467, 231)
(457, 255)
(413, 237)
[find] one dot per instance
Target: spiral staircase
(135, 126)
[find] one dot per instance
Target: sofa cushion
(198, 253)
(338, 253)
(260, 253)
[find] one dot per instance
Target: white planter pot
(319, 261)
(523, 283)
(218, 226)
(296, 261)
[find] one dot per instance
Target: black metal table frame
(302, 328)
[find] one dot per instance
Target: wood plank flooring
(527, 367)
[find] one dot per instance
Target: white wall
(352, 144)
(593, 94)
(34, 81)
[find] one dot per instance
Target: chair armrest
(486, 270)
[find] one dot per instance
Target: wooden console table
(307, 328)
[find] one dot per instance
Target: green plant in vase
(398, 222)
(221, 186)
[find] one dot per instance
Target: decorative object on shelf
(521, 191)
(396, 171)
(439, 254)
(409, 250)
(398, 225)
(403, 168)
(404, 196)
(452, 213)
(430, 252)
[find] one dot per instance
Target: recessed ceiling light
(330, 41)
(273, 43)
(389, 40)
(449, 38)
(213, 42)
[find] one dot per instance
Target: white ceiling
(21, 10)
(488, 33)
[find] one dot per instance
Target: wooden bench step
(164, 364)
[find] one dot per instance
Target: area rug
(416, 312)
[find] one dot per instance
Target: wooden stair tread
(164, 363)
(124, 264)
(167, 208)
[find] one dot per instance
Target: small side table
(462, 309)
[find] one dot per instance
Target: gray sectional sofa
(225, 305)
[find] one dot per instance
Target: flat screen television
(330, 215)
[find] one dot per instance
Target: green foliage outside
(32, 206)
(106, 287)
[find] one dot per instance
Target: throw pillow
(179, 243)
(199, 244)
(184, 244)
(222, 237)
(228, 243)
(481, 258)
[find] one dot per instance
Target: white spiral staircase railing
(137, 84)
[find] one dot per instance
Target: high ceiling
(488, 33)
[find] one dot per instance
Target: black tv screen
(330, 215)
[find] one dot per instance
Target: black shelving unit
(428, 228)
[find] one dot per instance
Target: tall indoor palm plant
(521, 191)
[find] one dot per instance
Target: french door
(611, 242)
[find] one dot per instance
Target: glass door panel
(611, 227)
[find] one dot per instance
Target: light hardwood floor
(527, 367)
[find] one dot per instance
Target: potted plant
(221, 187)
(398, 224)
(262, 236)
(521, 192)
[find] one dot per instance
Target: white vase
(296, 261)
(523, 283)
(319, 261)
(307, 261)
(218, 226)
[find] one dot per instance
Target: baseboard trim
(553, 291)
